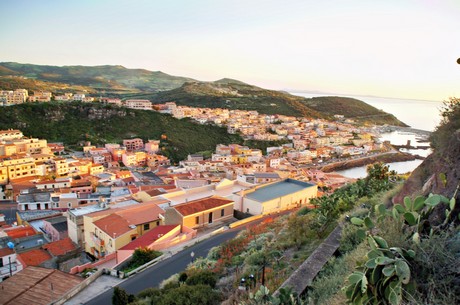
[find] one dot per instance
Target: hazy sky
(392, 48)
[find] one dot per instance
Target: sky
(392, 48)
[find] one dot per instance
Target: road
(154, 275)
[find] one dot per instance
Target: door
(210, 217)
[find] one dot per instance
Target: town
(91, 208)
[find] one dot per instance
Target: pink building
(56, 228)
(133, 144)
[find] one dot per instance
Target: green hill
(103, 78)
(18, 82)
(227, 93)
(353, 109)
(160, 87)
(74, 122)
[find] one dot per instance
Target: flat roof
(86, 210)
(277, 189)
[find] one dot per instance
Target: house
(75, 221)
(9, 265)
(201, 212)
(275, 197)
(38, 286)
(138, 104)
(107, 231)
(34, 257)
(56, 228)
(133, 144)
(159, 238)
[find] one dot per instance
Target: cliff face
(443, 162)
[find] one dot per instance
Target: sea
(418, 114)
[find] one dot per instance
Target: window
(1, 262)
(146, 226)
(158, 223)
(197, 220)
(222, 213)
(69, 204)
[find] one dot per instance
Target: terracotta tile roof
(18, 232)
(154, 192)
(60, 247)
(5, 252)
(201, 205)
(141, 213)
(33, 286)
(34, 257)
(114, 225)
(149, 237)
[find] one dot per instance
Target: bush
(350, 239)
(149, 293)
(202, 277)
(189, 295)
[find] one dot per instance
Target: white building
(274, 197)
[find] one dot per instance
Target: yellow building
(7, 149)
(19, 166)
(107, 231)
(61, 167)
(96, 169)
(3, 175)
(201, 212)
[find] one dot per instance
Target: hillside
(107, 78)
(74, 122)
(228, 93)
(160, 87)
(18, 82)
(351, 108)
(440, 172)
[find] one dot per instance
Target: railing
(99, 242)
(6, 268)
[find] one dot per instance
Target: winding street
(153, 276)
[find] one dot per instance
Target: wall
(78, 269)
(289, 201)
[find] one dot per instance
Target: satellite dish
(10, 245)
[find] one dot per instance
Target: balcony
(5, 270)
(99, 242)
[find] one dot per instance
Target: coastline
(386, 158)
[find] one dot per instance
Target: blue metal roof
(278, 189)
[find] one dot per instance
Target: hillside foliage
(73, 122)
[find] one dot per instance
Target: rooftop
(201, 205)
(149, 237)
(277, 189)
(114, 225)
(34, 215)
(34, 257)
(60, 247)
(33, 286)
(87, 210)
(19, 232)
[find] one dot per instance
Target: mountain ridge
(118, 81)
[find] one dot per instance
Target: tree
(120, 296)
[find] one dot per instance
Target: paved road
(154, 275)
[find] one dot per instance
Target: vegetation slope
(107, 78)
(159, 87)
(74, 122)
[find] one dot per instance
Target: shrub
(149, 293)
(202, 277)
(187, 295)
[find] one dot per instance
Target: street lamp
(252, 280)
(192, 255)
(242, 285)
